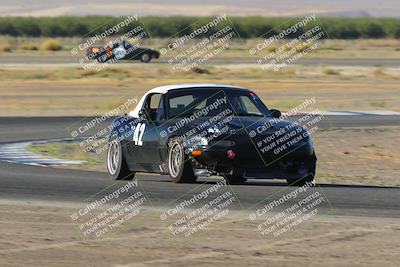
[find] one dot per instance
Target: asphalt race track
(24, 182)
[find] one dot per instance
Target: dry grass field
(56, 91)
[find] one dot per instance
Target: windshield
(213, 101)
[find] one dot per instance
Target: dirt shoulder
(362, 156)
(33, 235)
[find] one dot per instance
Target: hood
(258, 125)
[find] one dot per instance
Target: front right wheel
(145, 58)
(179, 167)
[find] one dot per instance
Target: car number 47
(138, 134)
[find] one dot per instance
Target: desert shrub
(51, 45)
(30, 47)
(302, 47)
(5, 47)
(377, 71)
(331, 72)
(200, 70)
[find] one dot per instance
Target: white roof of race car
(163, 89)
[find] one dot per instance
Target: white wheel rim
(113, 157)
(145, 57)
(175, 160)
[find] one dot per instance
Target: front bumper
(251, 163)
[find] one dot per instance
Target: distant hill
(336, 8)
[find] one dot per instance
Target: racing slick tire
(116, 162)
(145, 57)
(179, 167)
(302, 181)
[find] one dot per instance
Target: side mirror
(275, 113)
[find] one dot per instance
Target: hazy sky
(383, 8)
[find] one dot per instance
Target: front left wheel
(116, 162)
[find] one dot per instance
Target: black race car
(121, 51)
(187, 131)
